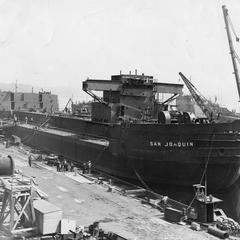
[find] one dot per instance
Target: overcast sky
(62, 42)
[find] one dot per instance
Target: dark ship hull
(168, 154)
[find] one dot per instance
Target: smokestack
(120, 72)
(135, 71)
(129, 72)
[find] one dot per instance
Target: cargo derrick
(201, 101)
(233, 53)
(212, 111)
(135, 98)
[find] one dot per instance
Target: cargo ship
(132, 133)
(138, 131)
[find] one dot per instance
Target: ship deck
(64, 133)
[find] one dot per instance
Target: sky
(60, 43)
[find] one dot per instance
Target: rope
(205, 168)
(209, 153)
(192, 201)
(232, 27)
(48, 119)
(237, 57)
(141, 180)
(169, 202)
(99, 155)
(102, 150)
(149, 190)
(31, 135)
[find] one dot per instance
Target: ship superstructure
(128, 97)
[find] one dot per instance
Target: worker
(30, 158)
(7, 143)
(58, 165)
(71, 166)
(75, 170)
(84, 167)
(15, 119)
(26, 119)
(65, 165)
(89, 167)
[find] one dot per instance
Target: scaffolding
(17, 213)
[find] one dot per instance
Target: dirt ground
(86, 203)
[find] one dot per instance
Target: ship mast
(232, 51)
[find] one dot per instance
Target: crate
(67, 225)
(48, 216)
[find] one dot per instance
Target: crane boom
(232, 51)
(197, 96)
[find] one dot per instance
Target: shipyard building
(42, 101)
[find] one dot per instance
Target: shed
(48, 216)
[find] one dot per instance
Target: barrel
(217, 232)
(6, 166)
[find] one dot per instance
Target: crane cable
(233, 29)
(205, 166)
(236, 56)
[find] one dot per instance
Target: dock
(86, 202)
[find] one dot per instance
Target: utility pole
(16, 86)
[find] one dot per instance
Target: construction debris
(228, 224)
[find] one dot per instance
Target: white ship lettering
(171, 144)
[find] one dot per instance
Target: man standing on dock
(89, 167)
(58, 165)
(84, 167)
(30, 158)
(71, 166)
(64, 165)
